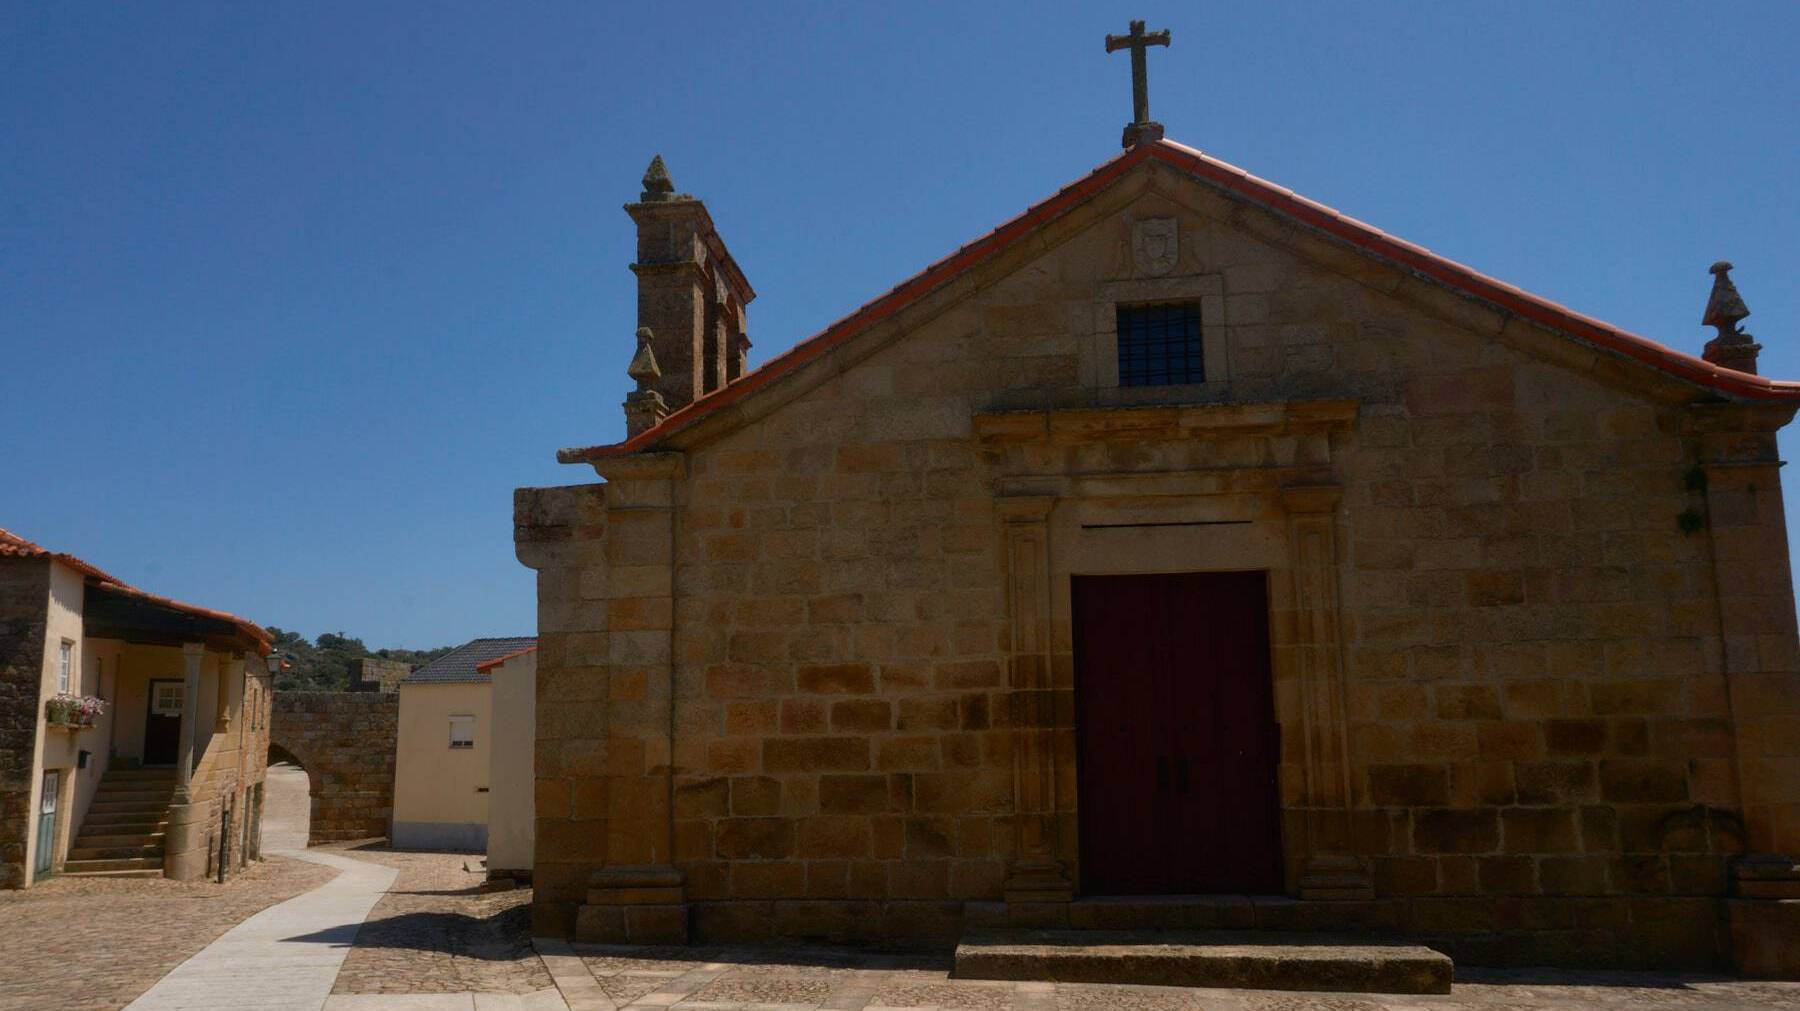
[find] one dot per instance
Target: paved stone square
(74, 944)
(434, 942)
(435, 933)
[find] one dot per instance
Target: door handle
(1162, 773)
(1181, 773)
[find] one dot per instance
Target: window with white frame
(65, 668)
(462, 731)
(166, 698)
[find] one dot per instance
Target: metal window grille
(1159, 345)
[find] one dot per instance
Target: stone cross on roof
(1141, 129)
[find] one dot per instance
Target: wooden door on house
(1178, 745)
(46, 825)
(162, 723)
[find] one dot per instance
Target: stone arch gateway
(345, 742)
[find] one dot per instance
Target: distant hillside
(325, 665)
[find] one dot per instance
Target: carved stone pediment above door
(1174, 489)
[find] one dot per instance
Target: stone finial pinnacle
(1725, 309)
(657, 184)
(644, 407)
(643, 367)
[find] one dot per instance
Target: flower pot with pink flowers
(65, 709)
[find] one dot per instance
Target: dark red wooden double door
(1178, 744)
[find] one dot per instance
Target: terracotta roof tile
(488, 665)
(14, 546)
(1258, 191)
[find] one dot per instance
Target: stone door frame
(1058, 521)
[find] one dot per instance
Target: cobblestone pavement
(434, 933)
(725, 979)
(100, 942)
(434, 941)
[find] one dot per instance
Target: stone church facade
(1180, 537)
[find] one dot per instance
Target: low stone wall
(345, 740)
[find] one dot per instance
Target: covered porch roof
(117, 611)
(114, 609)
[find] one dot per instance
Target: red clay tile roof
(488, 665)
(1258, 191)
(14, 546)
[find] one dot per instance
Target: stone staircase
(122, 836)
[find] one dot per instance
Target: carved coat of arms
(1155, 246)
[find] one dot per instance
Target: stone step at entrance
(151, 866)
(125, 837)
(126, 826)
(1234, 959)
(104, 796)
(125, 817)
(142, 872)
(135, 846)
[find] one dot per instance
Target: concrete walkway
(284, 958)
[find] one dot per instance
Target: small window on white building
(462, 731)
(65, 668)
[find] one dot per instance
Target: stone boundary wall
(346, 741)
(24, 598)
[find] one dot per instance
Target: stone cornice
(1736, 417)
(1086, 424)
(642, 467)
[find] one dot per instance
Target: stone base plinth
(1038, 893)
(1765, 937)
(1614, 932)
(1239, 961)
(184, 842)
(644, 924)
(1335, 879)
(1766, 876)
(634, 905)
(1765, 916)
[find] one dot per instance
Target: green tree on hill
(326, 665)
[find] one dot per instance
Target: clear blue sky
(293, 296)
